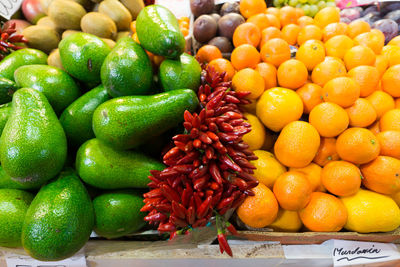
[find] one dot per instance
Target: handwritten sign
(9, 7)
(347, 253)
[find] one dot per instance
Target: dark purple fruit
(228, 23)
(200, 7)
(389, 28)
(230, 8)
(371, 17)
(204, 28)
(216, 17)
(386, 7)
(393, 15)
(370, 9)
(223, 44)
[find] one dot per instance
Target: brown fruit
(48, 22)
(66, 14)
(99, 24)
(230, 7)
(204, 28)
(117, 12)
(134, 6)
(41, 37)
(228, 24)
(200, 7)
(109, 42)
(67, 33)
(54, 59)
(223, 44)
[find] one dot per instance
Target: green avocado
(14, 204)
(82, 55)
(182, 73)
(60, 219)
(118, 213)
(127, 70)
(16, 59)
(103, 167)
(5, 111)
(158, 31)
(7, 182)
(7, 89)
(77, 117)
(127, 122)
(58, 87)
(33, 146)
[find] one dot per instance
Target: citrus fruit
(256, 137)
(359, 55)
(390, 120)
(246, 33)
(311, 95)
(311, 53)
(313, 174)
(357, 27)
(329, 119)
(309, 32)
(361, 113)
(268, 34)
(207, 53)
(327, 70)
(327, 16)
(290, 33)
(341, 178)
(249, 8)
(334, 29)
(245, 56)
(382, 102)
(292, 74)
(268, 168)
(326, 152)
(338, 45)
(275, 51)
(373, 39)
(286, 221)
(254, 82)
(222, 65)
(390, 143)
(343, 91)
(391, 81)
(268, 72)
(367, 77)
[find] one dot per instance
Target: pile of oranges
(325, 119)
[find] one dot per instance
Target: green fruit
(7, 89)
(103, 167)
(7, 182)
(60, 219)
(127, 70)
(313, 10)
(77, 117)
(58, 87)
(321, 5)
(158, 32)
(5, 111)
(182, 73)
(82, 55)
(33, 146)
(13, 61)
(118, 213)
(129, 121)
(13, 207)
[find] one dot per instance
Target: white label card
(9, 7)
(347, 253)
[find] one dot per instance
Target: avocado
(158, 32)
(182, 73)
(118, 213)
(5, 111)
(82, 55)
(33, 146)
(58, 87)
(127, 70)
(77, 117)
(126, 122)
(16, 59)
(7, 89)
(7, 182)
(103, 167)
(60, 219)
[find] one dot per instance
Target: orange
(327, 16)
(274, 21)
(288, 15)
(268, 72)
(382, 175)
(309, 32)
(290, 32)
(304, 21)
(299, 12)
(311, 95)
(324, 213)
(381, 64)
(207, 53)
(313, 175)
(338, 45)
(373, 39)
(390, 120)
(326, 152)
(374, 128)
(390, 143)
(333, 29)
(279, 106)
(343, 91)
(260, 20)
(132, 26)
(329, 119)
(184, 31)
(294, 137)
(268, 34)
(292, 74)
(254, 82)
(275, 51)
(392, 54)
(395, 41)
(397, 103)
(367, 77)
(311, 53)
(327, 70)
(382, 102)
(357, 145)
(249, 8)
(341, 178)
(359, 55)
(223, 65)
(292, 190)
(259, 210)
(361, 113)
(246, 33)
(357, 27)
(245, 56)
(391, 81)
(273, 11)
(135, 38)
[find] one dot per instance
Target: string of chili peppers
(208, 170)
(8, 38)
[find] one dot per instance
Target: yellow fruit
(268, 168)
(371, 212)
(396, 198)
(255, 139)
(286, 221)
(313, 174)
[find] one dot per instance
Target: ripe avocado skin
(5, 111)
(127, 122)
(60, 219)
(103, 167)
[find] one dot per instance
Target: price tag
(347, 253)
(9, 7)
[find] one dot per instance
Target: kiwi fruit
(204, 28)
(228, 24)
(87, 4)
(134, 6)
(223, 44)
(45, 5)
(229, 7)
(47, 21)
(67, 33)
(201, 7)
(41, 37)
(99, 24)
(54, 59)
(117, 12)
(109, 42)
(66, 14)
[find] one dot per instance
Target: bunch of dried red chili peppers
(208, 169)
(8, 38)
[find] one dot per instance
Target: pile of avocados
(74, 142)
